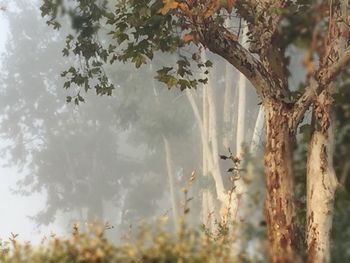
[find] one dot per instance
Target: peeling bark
(321, 183)
(269, 77)
(279, 205)
(321, 187)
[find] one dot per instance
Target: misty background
(107, 158)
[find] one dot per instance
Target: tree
(141, 29)
(37, 124)
(72, 154)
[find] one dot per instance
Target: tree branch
(224, 43)
(329, 74)
(266, 40)
(323, 78)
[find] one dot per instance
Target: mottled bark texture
(321, 187)
(322, 182)
(264, 65)
(279, 205)
(279, 208)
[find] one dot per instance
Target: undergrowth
(89, 244)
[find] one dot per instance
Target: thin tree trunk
(205, 209)
(207, 159)
(211, 210)
(228, 101)
(207, 156)
(227, 107)
(219, 185)
(241, 186)
(258, 131)
(208, 162)
(212, 124)
(242, 85)
(169, 166)
(279, 204)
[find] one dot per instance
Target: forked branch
(321, 80)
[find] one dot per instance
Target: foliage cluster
(91, 245)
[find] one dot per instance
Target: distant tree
(56, 159)
(139, 30)
(69, 153)
(72, 153)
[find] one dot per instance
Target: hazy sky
(15, 209)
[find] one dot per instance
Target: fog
(118, 159)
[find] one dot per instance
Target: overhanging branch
(224, 43)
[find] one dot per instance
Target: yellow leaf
(229, 5)
(168, 5)
(184, 9)
(212, 7)
(187, 38)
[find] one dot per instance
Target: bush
(91, 245)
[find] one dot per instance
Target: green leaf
(208, 64)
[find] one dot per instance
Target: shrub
(91, 245)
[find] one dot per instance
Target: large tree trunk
(279, 205)
(321, 186)
(321, 179)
